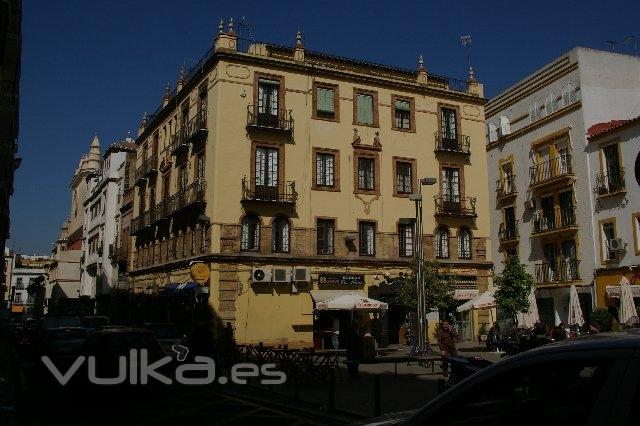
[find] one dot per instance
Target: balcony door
(566, 208)
(268, 102)
(510, 222)
(569, 257)
(548, 217)
(563, 161)
(612, 166)
(507, 174)
(448, 122)
(451, 189)
(551, 268)
(266, 178)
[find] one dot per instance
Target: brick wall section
(227, 294)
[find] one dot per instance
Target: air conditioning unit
(302, 275)
(618, 244)
(281, 275)
(260, 275)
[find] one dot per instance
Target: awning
(462, 294)
(613, 291)
(349, 302)
(482, 301)
(180, 288)
(17, 309)
(322, 295)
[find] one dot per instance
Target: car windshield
(164, 331)
(61, 322)
(69, 334)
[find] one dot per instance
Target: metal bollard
(377, 395)
(332, 388)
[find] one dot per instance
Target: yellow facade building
(288, 173)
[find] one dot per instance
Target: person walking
(335, 333)
(447, 343)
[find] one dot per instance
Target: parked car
(63, 343)
(95, 322)
(591, 380)
(57, 322)
(167, 335)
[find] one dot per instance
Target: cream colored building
(288, 172)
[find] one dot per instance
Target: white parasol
(627, 306)
(575, 311)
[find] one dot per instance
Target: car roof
(625, 339)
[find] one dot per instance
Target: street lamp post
(419, 255)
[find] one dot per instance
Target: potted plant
(482, 333)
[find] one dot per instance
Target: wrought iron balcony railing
(178, 141)
(193, 194)
(159, 212)
(196, 128)
(560, 271)
(506, 186)
(148, 167)
(282, 193)
(282, 121)
(455, 144)
(8, 93)
(609, 183)
(455, 206)
(560, 218)
(550, 170)
(509, 232)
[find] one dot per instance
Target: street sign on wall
(341, 279)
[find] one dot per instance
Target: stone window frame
(603, 243)
(443, 105)
(461, 229)
(437, 242)
(336, 101)
(281, 164)
(335, 229)
(259, 242)
(412, 113)
(273, 223)
(376, 115)
(414, 173)
(281, 89)
(375, 236)
(336, 169)
(399, 226)
(357, 154)
(448, 165)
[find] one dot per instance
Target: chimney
(298, 51)
(226, 41)
(423, 76)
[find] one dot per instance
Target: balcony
(140, 222)
(179, 141)
(456, 144)
(610, 183)
(148, 168)
(455, 206)
(196, 128)
(8, 93)
(509, 233)
(506, 187)
(551, 171)
(559, 272)
(282, 122)
(192, 195)
(561, 219)
(284, 193)
(159, 212)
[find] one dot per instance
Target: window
(17, 298)
(325, 101)
(367, 238)
(365, 108)
(405, 234)
(142, 200)
(402, 117)
(182, 177)
(404, 181)
(200, 168)
(202, 103)
(280, 235)
(448, 126)
(325, 169)
(464, 244)
(250, 233)
(266, 173)
(608, 234)
(569, 94)
(19, 284)
(451, 184)
(366, 173)
(325, 232)
(636, 232)
(442, 243)
(613, 172)
(268, 103)
(530, 394)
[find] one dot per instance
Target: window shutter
(325, 99)
(364, 109)
(505, 126)
(493, 132)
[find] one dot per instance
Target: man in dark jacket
(447, 343)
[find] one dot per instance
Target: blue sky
(97, 65)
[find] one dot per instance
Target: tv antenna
(466, 43)
(631, 39)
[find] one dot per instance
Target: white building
(537, 152)
(99, 272)
(23, 272)
(614, 157)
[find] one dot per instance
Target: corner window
(325, 229)
(325, 101)
(367, 238)
(280, 235)
(442, 243)
(250, 233)
(464, 244)
(405, 234)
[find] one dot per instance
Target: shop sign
(341, 279)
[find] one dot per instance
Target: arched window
(464, 244)
(280, 235)
(442, 243)
(250, 233)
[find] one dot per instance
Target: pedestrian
(447, 343)
(354, 349)
(335, 333)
